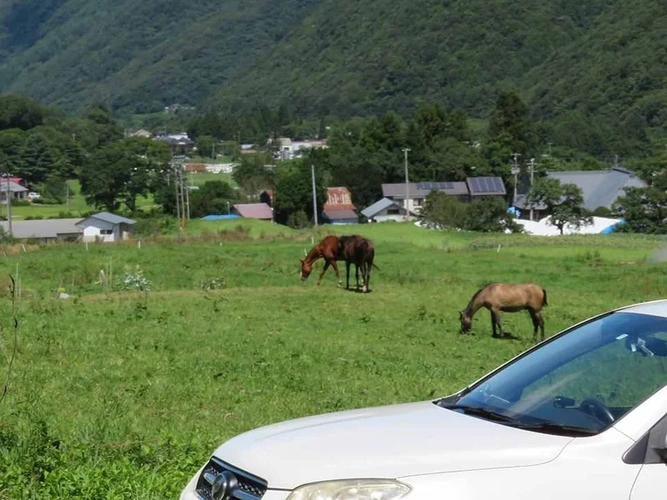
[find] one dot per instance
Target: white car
(581, 415)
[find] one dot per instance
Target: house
(106, 227)
(600, 188)
(44, 230)
(385, 210)
(339, 209)
(472, 188)
(18, 192)
(260, 211)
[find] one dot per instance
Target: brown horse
(360, 252)
(332, 249)
(506, 297)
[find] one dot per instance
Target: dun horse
(506, 297)
(352, 249)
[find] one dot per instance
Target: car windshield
(579, 383)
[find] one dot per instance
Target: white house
(106, 227)
(386, 210)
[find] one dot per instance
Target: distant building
(17, 191)
(600, 188)
(260, 211)
(339, 209)
(386, 210)
(472, 188)
(106, 227)
(44, 230)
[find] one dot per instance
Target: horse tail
(376, 267)
(544, 299)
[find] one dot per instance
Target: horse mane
(472, 299)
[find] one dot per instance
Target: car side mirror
(657, 444)
(651, 448)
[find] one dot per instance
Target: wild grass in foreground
(121, 394)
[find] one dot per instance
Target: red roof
(254, 211)
(338, 198)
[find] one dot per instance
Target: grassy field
(119, 393)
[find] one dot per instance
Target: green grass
(199, 178)
(119, 394)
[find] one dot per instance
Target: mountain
(141, 55)
(593, 69)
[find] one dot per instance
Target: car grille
(249, 487)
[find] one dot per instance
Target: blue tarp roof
(221, 217)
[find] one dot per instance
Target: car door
(651, 452)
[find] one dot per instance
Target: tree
(643, 209)
(212, 197)
(121, 171)
(20, 112)
(206, 145)
(443, 210)
(564, 202)
(509, 123)
(294, 192)
(252, 175)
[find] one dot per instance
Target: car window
(585, 379)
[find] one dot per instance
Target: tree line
(46, 147)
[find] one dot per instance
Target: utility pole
(531, 169)
(515, 172)
(180, 184)
(9, 207)
(187, 194)
(312, 171)
(178, 206)
(407, 190)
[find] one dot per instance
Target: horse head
(466, 322)
(306, 269)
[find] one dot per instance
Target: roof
(600, 188)
(338, 214)
(42, 228)
(13, 186)
(339, 198)
(254, 210)
(421, 189)
(379, 206)
(110, 218)
(485, 186)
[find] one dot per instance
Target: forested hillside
(591, 70)
(138, 55)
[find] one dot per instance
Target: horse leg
(539, 316)
(335, 266)
(324, 270)
(347, 275)
(495, 313)
(493, 323)
(367, 282)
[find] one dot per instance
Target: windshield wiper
(560, 429)
(482, 412)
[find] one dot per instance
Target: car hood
(384, 442)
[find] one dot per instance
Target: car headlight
(352, 489)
